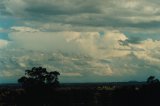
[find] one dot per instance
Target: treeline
(42, 88)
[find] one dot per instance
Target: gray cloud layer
(85, 15)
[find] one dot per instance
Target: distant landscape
(39, 93)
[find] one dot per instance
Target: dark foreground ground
(136, 94)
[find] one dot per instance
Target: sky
(85, 40)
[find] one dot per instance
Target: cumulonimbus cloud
(81, 55)
(88, 43)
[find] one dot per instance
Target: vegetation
(39, 77)
(41, 88)
(152, 80)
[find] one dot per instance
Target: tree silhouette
(52, 78)
(152, 80)
(39, 76)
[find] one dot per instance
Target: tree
(39, 76)
(152, 80)
(52, 77)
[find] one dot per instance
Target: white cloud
(71, 74)
(5, 74)
(150, 53)
(3, 43)
(82, 54)
(22, 65)
(23, 29)
(10, 73)
(103, 70)
(86, 43)
(112, 39)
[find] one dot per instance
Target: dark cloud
(3, 11)
(146, 25)
(85, 13)
(54, 9)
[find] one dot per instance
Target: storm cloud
(90, 14)
(85, 40)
